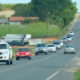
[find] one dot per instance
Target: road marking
(24, 64)
(53, 75)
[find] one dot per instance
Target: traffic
(6, 52)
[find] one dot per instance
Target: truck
(17, 39)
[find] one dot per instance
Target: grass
(36, 30)
(77, 75)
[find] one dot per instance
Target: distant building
(16, 20)
(7, 13)
(4, 21)
(19, 20)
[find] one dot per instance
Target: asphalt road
(44, 67)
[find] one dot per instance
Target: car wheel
(8, 62)
(17, 58)
(29, 58)
(64, 52)
(73, 53)
(11, 62)
(36, 53)
(46, 53)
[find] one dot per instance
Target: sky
(27, 1)
(14, 1)
(78, 4)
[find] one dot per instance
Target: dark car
(64, 39)
(23, 53)
(16, 43)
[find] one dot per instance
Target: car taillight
(27, 53)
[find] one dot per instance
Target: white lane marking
(53, 75)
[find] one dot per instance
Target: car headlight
(44, 49)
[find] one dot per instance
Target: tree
(22, 10)
(60, 11)
(1, 7)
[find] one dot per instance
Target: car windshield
(56, 42)
(63, 38)
(40, 45)
(50, 45)
(69, 35)
(22, 49)
(3, 46)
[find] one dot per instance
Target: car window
(23, 49)
(56, 42)
(40, 45)
(3, 46)
(50, 45)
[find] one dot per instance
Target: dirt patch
(49, 40)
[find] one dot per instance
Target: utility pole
(47, 27)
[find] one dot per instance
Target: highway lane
(42, 67)
(36, 69)
(68, 75)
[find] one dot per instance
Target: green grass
(35, 29)
(77, 75)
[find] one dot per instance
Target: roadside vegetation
(35, 29)
(54, 18)
(77, 75)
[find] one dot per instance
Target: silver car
(41, 48)
(69, 49)
(51, 48)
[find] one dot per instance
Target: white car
(69, 49)
(61, 43)
(57, 44)
(71, 33)
(69, 37)
(51, 48)
(5, 53)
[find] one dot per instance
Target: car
(69, 49)
(6, 53)
(41, 48)
(57, 44)
(61, 42)
(69, 37)
(71, 33)
(64, 40)
(23, 53)
(51, 48)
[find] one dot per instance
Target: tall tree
(1, 6)
(60, 10)
(22, 10)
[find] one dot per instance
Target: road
(44, 67)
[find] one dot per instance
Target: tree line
(59, 12)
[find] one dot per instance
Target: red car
(23, 53)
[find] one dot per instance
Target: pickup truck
(5, 53)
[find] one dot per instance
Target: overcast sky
(27, 1)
